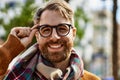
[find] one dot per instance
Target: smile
(55, 47)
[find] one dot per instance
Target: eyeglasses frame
(69, 25)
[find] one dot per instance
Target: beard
(58, 56)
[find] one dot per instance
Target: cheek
(70, 40)
(40, 41)
(39, 38)
(71, 37)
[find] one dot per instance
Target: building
(102, 37)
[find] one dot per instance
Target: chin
(57, 58)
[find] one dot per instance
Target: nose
(54, 35)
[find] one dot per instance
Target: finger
(15, 31)
(32, 34)
(24, 32)
(34, 27)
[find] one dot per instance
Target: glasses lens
(45, 31)
(63, 29)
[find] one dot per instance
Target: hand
(24, 34)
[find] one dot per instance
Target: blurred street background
(98, 30)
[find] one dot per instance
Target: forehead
(52, 18)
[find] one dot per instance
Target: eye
(45, 30)
(63, 29)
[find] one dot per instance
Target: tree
(115, 42)
(79, 14)
(24, 19)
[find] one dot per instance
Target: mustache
(56, 42)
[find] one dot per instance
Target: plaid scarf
(31, 66)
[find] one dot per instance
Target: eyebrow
(56, 25)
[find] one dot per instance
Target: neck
(62, 65)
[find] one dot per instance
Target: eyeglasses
(61, 29)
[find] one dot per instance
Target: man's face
(55, 48)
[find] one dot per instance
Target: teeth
(55, 46)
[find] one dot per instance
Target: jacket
(12, 47)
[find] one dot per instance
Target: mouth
(55, 47)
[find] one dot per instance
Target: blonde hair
(56, 5)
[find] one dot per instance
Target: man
(53, 56)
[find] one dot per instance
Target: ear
(74, 32)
